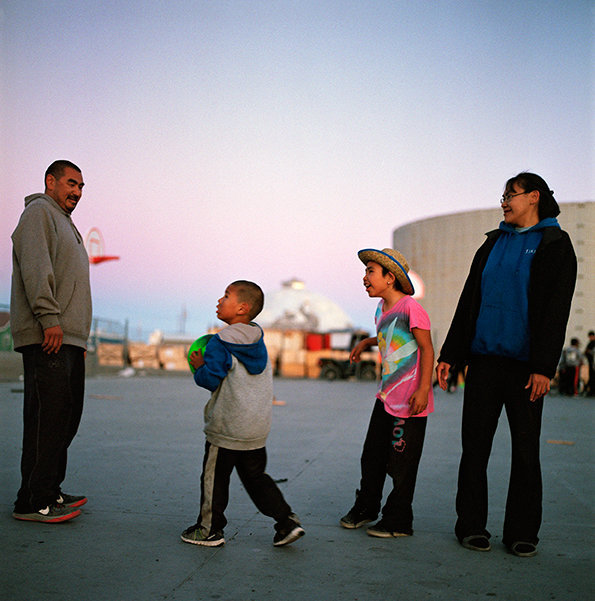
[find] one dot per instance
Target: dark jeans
(53, 405)
(494, 382)
(393, 446)
(218, 464)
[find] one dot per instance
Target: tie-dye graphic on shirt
(398, 351)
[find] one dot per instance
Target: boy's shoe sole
(195, 537)
(290, 537)
(49, 515)
(71, 500)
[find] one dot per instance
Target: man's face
(67, 189)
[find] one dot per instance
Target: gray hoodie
(238, 414)
(50, 276)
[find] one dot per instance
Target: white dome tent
(294, 307)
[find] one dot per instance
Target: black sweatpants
(53, 405)
(493, 383)
(218, 464)
(393, 446)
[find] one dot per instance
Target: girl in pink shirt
(395, 437)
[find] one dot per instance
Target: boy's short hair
(251, 294)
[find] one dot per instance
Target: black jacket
(551, 286)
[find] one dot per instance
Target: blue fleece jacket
(218, 359)
(502, 327)
(239, 375)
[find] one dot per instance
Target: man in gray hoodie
(50, 314)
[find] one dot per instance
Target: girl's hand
(359, 348)
(418, 401)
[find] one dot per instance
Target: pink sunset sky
(271, 139)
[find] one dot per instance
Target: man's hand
(52, 339)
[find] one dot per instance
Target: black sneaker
(357, 518)
(288, 532)
(522, 549)
(381, 530)
(71, 500)
(52, 514)
(196, 535)
(476, 542)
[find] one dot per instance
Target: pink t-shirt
(400, 357)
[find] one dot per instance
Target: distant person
(570, 367)
(236, 369)
(509, 327)
(50, 318)
(589, 351)
(405, 398)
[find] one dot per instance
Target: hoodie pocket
(75, 312)
(501, 331)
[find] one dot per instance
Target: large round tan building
(440, 250)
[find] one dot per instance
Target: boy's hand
(418, 401)
(196, 359)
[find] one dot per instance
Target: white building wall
(440, 250)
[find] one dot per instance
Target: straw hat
(392, 260)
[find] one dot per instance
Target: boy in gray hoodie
(236, 369)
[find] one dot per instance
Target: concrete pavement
(137, 456)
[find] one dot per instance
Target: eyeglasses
(507, 197)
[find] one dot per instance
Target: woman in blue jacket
(509, 329)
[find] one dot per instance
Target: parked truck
(335, 364)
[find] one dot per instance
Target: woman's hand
(539, 385)
(442, 370)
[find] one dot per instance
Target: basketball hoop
(95, 247)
